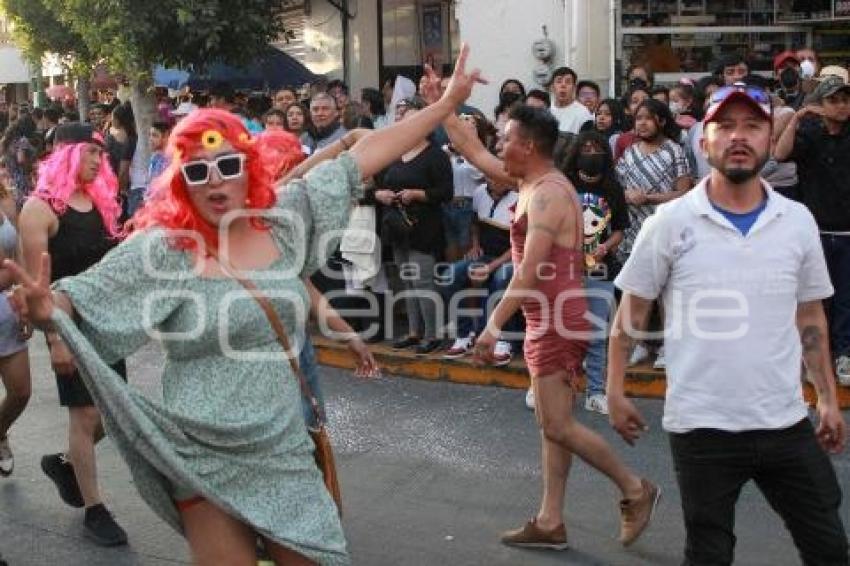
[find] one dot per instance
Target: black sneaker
(428, 346)
(405, 343)
(102, 528)
(61, 472)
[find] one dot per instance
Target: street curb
(641, 381)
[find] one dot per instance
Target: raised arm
(469, 146)
(378, 150)
(328, 152)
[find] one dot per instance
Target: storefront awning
(13, 69)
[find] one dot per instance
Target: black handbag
(397, 222)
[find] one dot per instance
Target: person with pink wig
(225, 456)
(73, 214)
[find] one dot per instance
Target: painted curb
(641, 381)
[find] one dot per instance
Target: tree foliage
(134, 35)
(37, 31)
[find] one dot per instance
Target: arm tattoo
(811, 337)
(813, 342)
(540, 202)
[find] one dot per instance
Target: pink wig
(58, 179)
(169, 205)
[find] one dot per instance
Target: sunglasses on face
(197, 172)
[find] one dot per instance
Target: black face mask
(789, 78)
(591, 164)
(508, 98)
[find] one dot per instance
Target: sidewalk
(641, 381)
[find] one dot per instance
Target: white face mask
(807, 69)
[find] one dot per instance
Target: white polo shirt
(730, 301)
(571, 117)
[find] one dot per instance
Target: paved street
(431, 473)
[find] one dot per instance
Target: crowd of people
(505, 233)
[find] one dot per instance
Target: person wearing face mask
(681, 105)
(787, 68)
(511, 92)
(590, 166)
(810, 68)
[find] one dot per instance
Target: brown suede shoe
(532, 536)
(635, 514)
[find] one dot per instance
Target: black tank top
(79, 243)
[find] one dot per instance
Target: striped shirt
(652, 173)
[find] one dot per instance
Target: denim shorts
(11, 341)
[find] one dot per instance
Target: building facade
(367, 41)
(14, 72)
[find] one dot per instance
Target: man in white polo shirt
(742, 274)
(571, 113)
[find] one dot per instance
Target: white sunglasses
(230, 166)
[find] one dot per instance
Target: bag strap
(280, 332)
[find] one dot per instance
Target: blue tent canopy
(274, 69)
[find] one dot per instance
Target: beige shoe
(635, 514)
(532, 536)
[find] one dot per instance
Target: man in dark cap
(818, 140)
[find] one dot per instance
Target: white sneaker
(7, 459)
(639, 354)
(660, 359)
(597, 403)
(460, 348)
(502, 353)
(842, 370)
(529, 398)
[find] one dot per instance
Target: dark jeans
(456, 279)
(836, 249)
(310, 369)
(791, 470)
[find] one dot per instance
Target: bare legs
(84, 432)
(563, 436)
(217, 539)
(15, 371)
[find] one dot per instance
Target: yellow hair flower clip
(212, 139)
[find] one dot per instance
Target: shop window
(415, 32)
(688, 37)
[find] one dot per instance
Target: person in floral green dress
(225, 456)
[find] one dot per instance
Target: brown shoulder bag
(324, 453)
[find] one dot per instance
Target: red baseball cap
(756, 97)
(783, 58)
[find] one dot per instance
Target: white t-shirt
(500, 215)
(571, 117)
(466, 177)
(731, 341)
